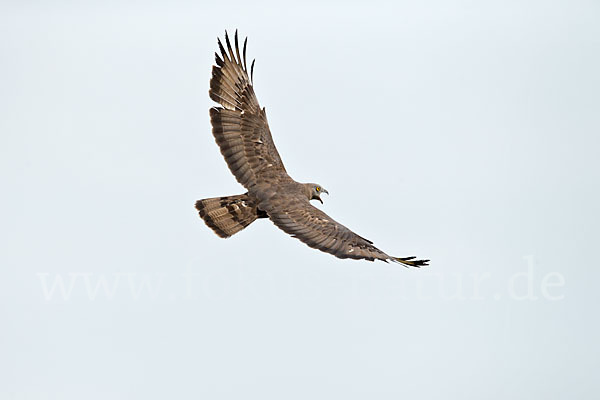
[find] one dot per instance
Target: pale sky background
(465, 132)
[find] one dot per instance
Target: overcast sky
(463, 132)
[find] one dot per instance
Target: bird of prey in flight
(242, 132)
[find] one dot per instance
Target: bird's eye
(318, 189)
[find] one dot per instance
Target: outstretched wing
(297, 217)
(240, 126)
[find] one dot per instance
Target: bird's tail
(228, 215)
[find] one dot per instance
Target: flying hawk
(242, 132)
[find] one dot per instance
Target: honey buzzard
(242, 132)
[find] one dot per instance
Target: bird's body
(242, 132)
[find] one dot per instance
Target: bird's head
(314, 191)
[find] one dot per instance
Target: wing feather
(297, 217)
(240, 126)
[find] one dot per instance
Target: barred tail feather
(228, 215)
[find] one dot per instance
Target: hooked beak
(322, 191)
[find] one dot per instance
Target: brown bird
(242, 132)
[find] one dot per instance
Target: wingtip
(410, 261)
(244, 54)
(221, 48)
